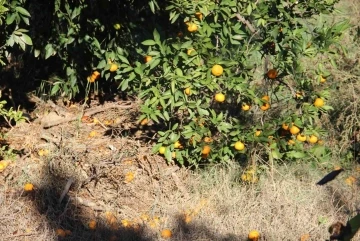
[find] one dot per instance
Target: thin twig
(19, 235)
(244, 21)
(87, 113)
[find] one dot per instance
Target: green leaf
(276, 154)
(101, 65)
(124, 84)
(48, 50)
(55, 89)
(148, 42)
(36, 53)
(123, 59)
(296, 154)
(22, 11)
(156, 36)
(10, 18)
(249, 9)
(26, 39)
(152, 6)
(154, 63)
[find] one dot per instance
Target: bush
(222, 80)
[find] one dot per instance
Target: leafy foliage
(164, 52)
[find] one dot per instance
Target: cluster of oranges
(192, 27)
(93, 77)
(295, 130)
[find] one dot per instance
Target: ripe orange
(239, 146)
(187, 91)
(217, 70)
(177, 144)
(266, 98)
(272, 74)
(60, 232)
(166, 233)
(96, 74)
(319, 102)
(245, 107)
(2, 167)
(291, 142)
(129, 176)
(285, 126)
(28, 187)
(265, 106)
(162, 150)
(117, 26)
(92, 224)
(207, 139)
(294, 129)
(144, 122)
(192, 27)
(113, 67)
(219, 97)
(312, 139)
(147, 58)
(257, 133)
(299, 94)
(188, 52)
(199, 15)
(322, 79)
(254, 235)
(206, 150)
(301, 137)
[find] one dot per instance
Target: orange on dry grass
(28, 187)
(129, 176)
(144, 121)
(166, 233)
(254, 235)
(60, 232)
(92, 224)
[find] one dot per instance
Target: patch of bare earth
(103, 171)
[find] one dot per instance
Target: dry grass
(282, 207)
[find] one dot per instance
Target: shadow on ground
(70, 215)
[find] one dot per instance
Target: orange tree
(234, 80)
(222, 79)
